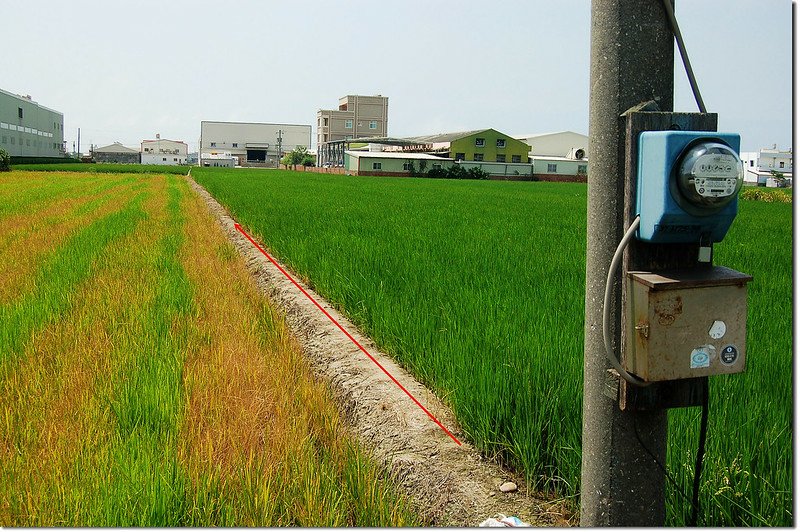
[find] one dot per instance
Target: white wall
(164, 151)
(541, 165)
(556, 144)
(750, 166)
(226, 134)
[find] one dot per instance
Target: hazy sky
(124, 71)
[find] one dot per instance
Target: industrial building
(376, 163)
(251, 143)
(116, 153)
(499, 155)
(357, 117)
(28, 129)
(164, 151)
(479, 145)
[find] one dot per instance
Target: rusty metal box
(684, 324)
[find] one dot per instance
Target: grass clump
(768, 195)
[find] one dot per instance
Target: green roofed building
(28, 129)
(482, 145)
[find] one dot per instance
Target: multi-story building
(760, 165)
(252, 143)
(164, 151)
(356, 117)
(479, 145)
(28, 129)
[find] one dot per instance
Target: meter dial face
(709, 176)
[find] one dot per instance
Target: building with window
(224, 160)
(164, 151)
(252, 143)
(377, 163)
(482, 145)
(566, 169)
(28, 129)
(116, 153)
(760, 165)
(356, 117)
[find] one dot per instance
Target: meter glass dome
(709, 176)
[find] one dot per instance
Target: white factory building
(251, 143)
(29, 129)
(164, 151)
(557, 144)
(558, 155)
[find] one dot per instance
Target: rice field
(104, 168)
(478, 289)
(144, 381)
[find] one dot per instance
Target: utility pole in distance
(631, 63)
(280, 140)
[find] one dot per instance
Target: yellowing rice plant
(145, 382)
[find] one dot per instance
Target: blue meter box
(688, 185)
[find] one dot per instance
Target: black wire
(701, 447)
(673, 22)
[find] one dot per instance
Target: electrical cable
(676, 31)
(612, 270)
(701, 448)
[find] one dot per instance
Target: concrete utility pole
(631, 63)
(280, 140)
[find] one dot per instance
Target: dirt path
(452, 485)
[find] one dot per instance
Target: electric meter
(688, 185)
(709, 176)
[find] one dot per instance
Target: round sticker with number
(729, 355)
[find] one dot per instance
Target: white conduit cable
(612, 271)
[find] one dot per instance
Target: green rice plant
(148, 401)
(478, 289)
(748, 476)
(56, 278)
(129, 319)
(33, 192)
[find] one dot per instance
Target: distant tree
(476, 172)
(309, 160)
(5, 161)
(299, 155)
(779, 178)
(457, 172)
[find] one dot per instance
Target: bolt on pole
(631, 63)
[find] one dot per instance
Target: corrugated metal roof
(549, 134)
(395, 155)
(445, 137)
(115, 148)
